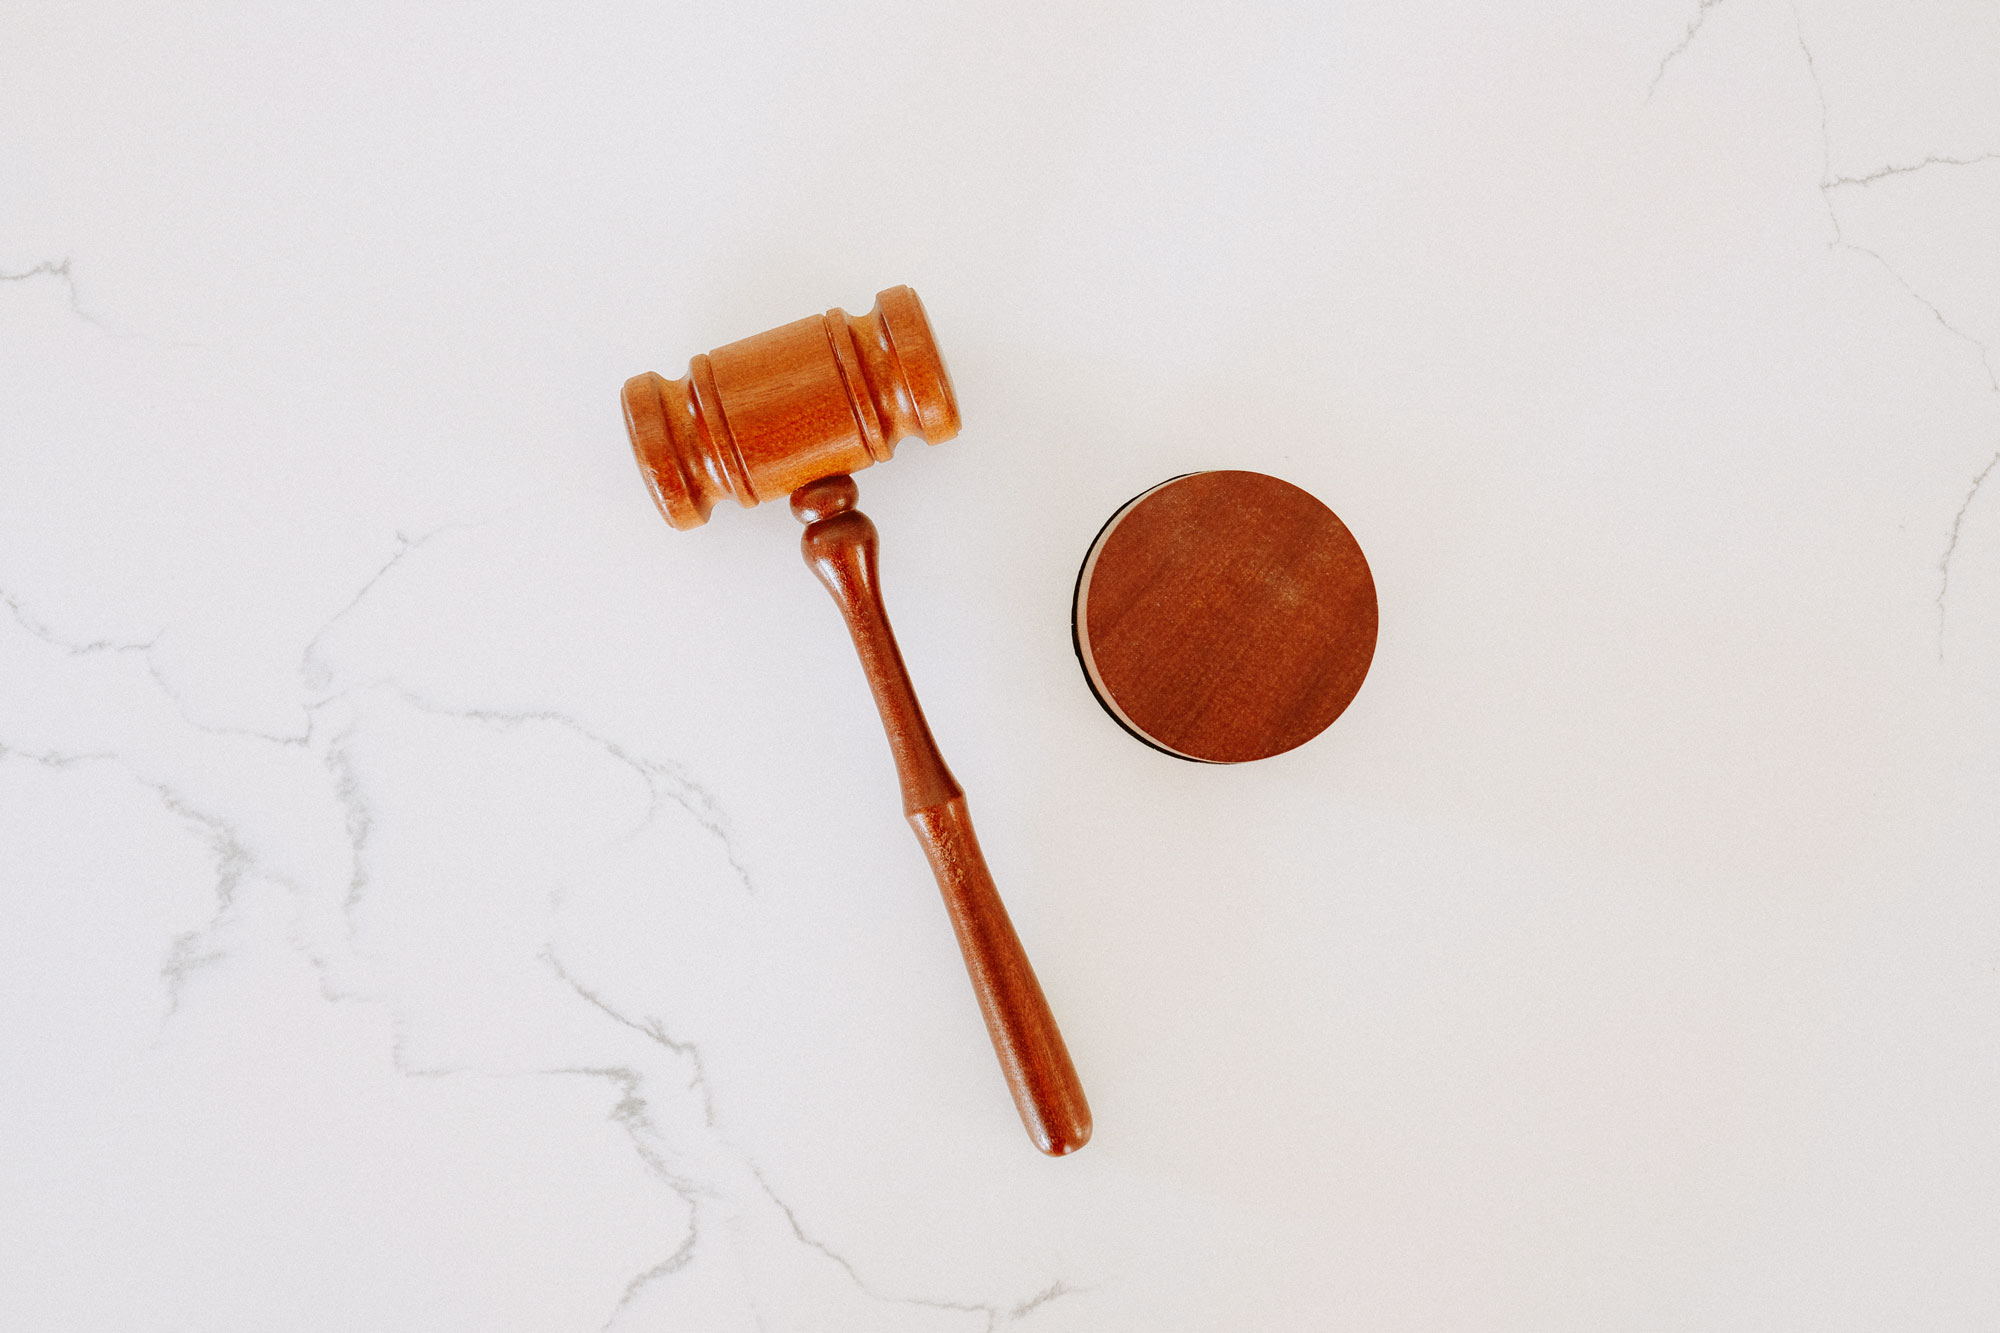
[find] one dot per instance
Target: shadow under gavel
(792, 412)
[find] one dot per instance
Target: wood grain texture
(793, 411)
(839, 545)
(1225, 616)
(761, 417)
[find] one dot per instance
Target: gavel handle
(839, 545)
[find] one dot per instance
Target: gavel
(793, 412)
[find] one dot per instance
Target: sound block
(1225, 616)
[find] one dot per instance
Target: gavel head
(760, 418)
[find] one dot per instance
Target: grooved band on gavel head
(760, 418)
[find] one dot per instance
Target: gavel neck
(839, 545)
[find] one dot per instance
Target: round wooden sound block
(1225, 616)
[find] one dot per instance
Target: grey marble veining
(434, 895)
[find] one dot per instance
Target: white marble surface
(437, 896)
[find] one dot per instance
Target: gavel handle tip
(1063, 1144)
(1033, 1057)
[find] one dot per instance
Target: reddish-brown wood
(1225, 616)
(792, 411)
(839, 544)
(760, 418)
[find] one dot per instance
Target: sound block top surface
(1225, 616)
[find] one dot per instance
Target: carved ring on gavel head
(793, 412)
(760, 418)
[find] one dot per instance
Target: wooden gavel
(793, 412)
